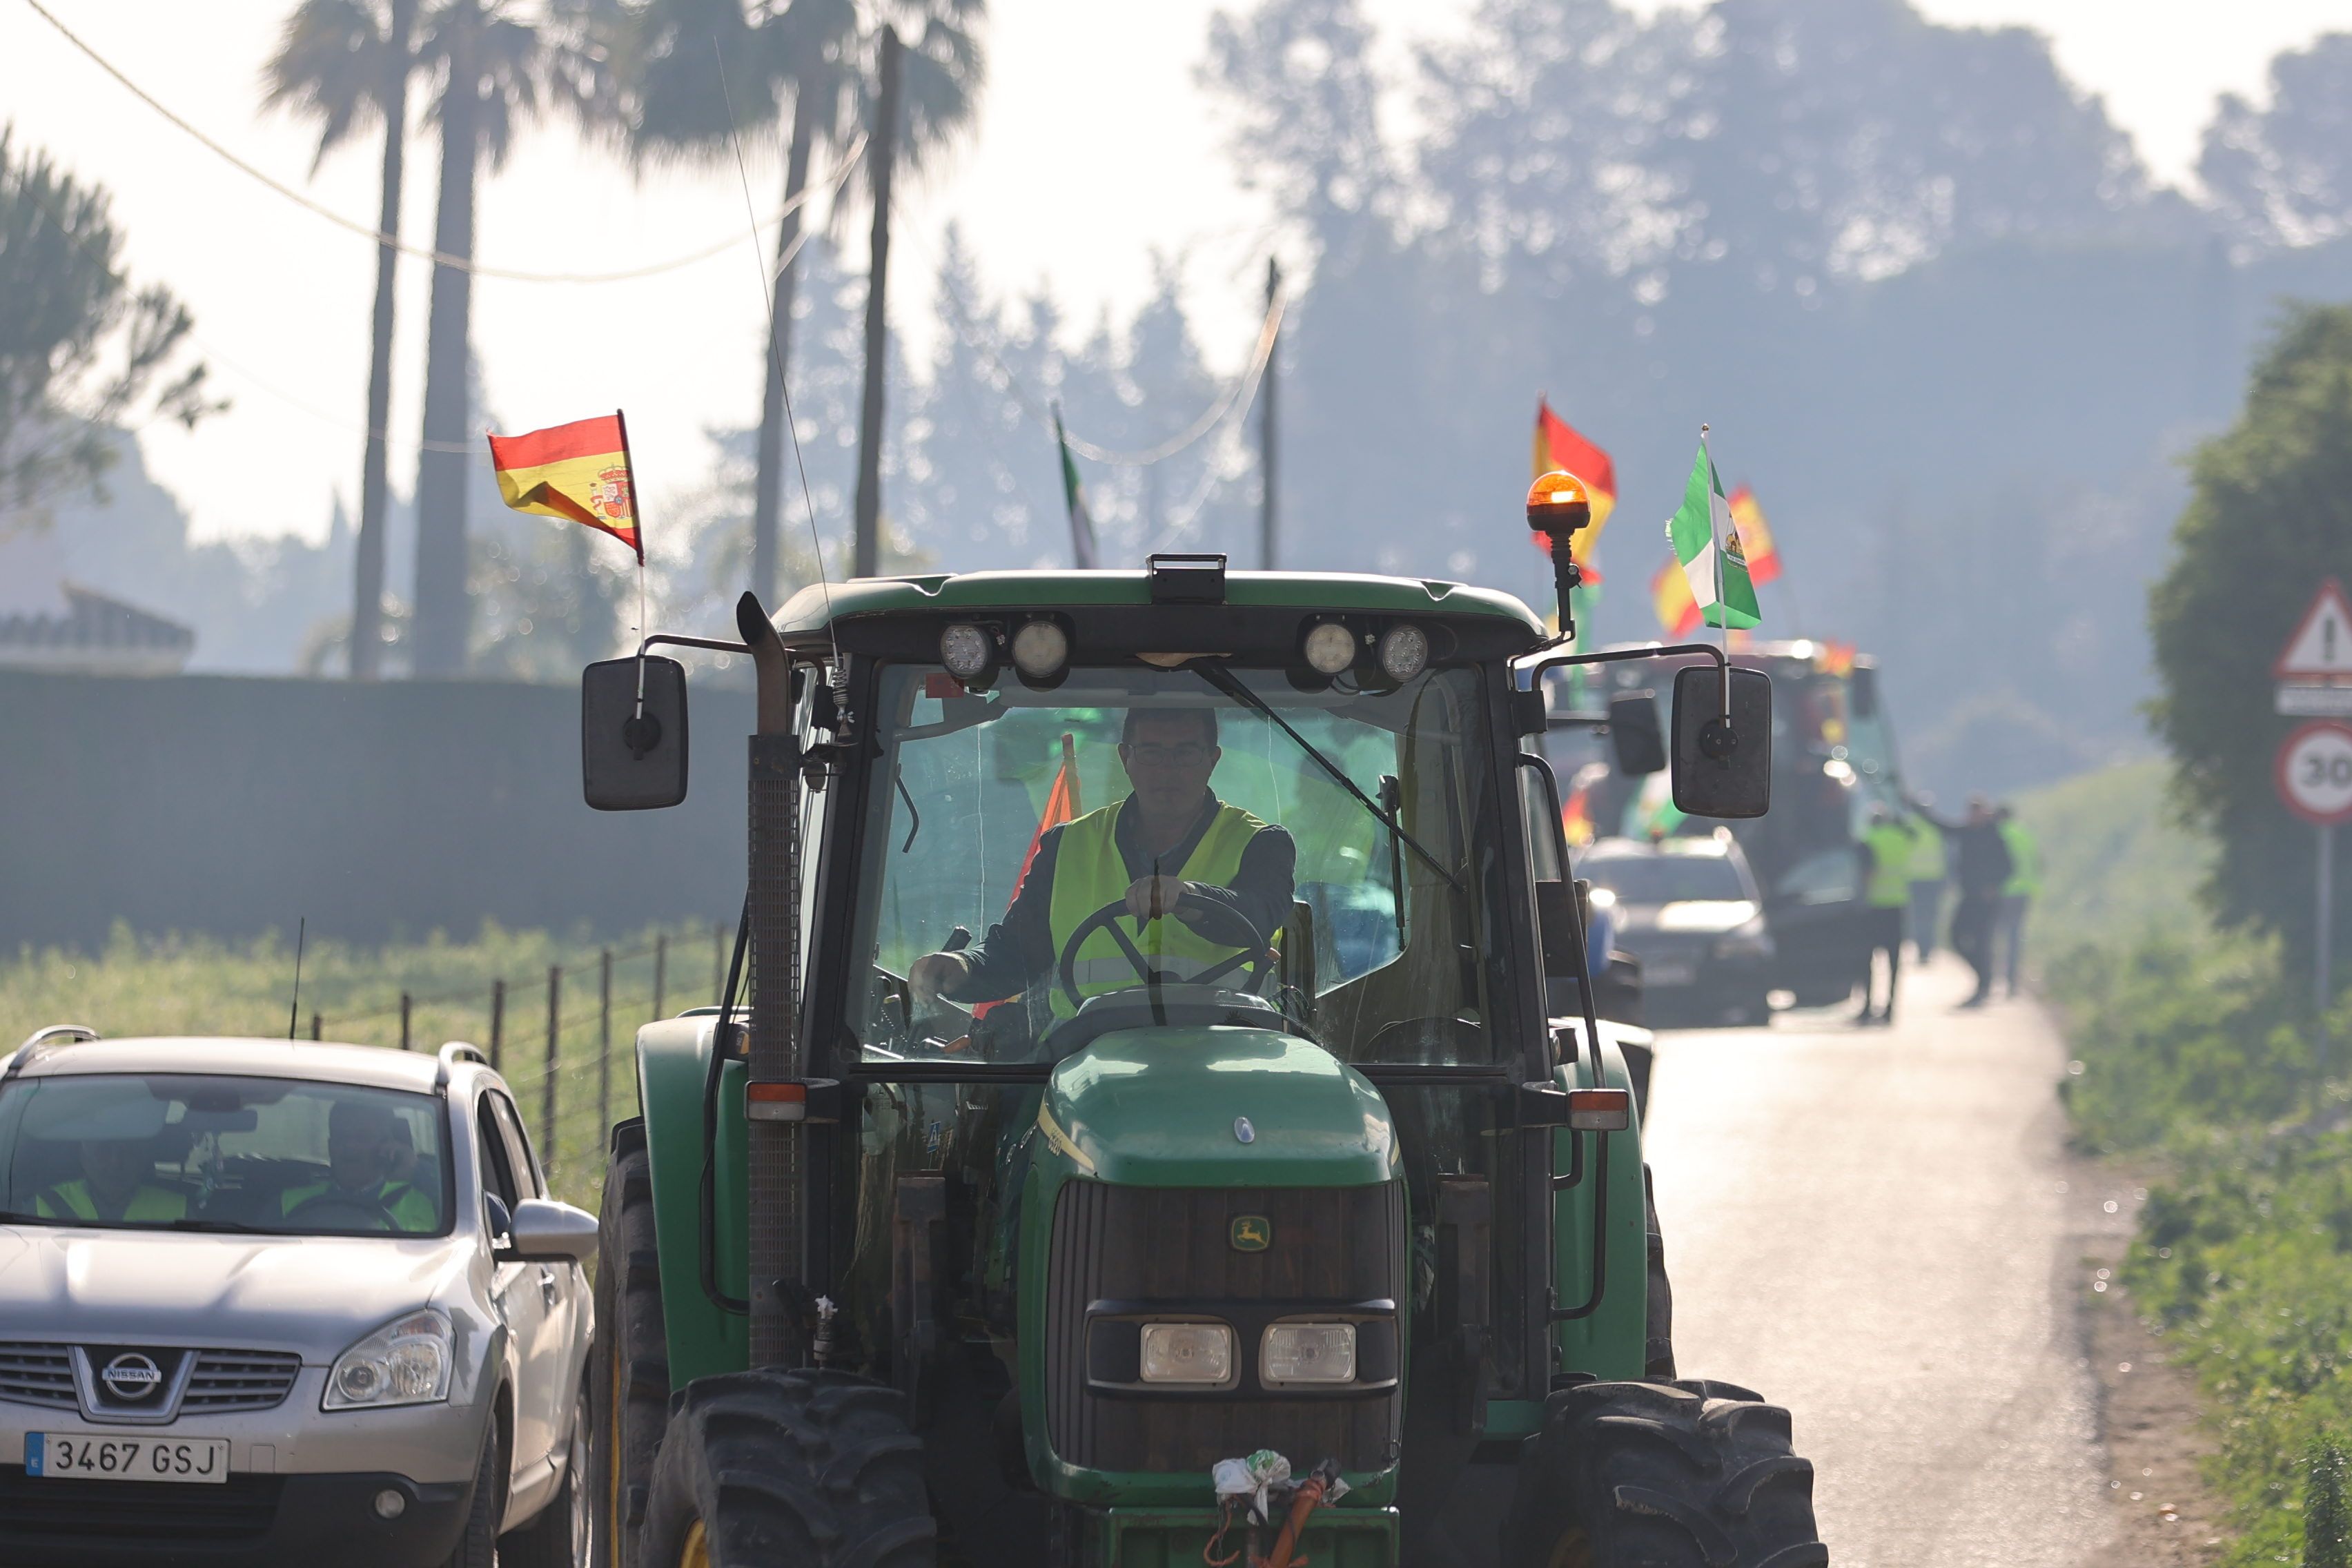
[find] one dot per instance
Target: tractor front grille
(1174, 1246)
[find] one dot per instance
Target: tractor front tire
(817, 1469)
(1665, 1475)
(628, 1365)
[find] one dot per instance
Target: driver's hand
(933, 972)
(1153, 896)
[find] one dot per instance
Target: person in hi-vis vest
(114, 1186)
(1169, 852)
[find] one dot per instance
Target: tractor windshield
(1331, 855)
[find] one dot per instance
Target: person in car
(365, 1141)
(1170, 852)
(117, 1161)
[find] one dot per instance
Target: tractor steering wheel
(1254, 951)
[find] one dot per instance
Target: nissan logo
(131, 1376)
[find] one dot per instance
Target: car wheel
(559, 1536)
(477, 1545)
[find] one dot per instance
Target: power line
(376, 236)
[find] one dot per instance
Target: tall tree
(2283, 176)
(808, 56)
(80, 348)
(345, 63)
(497, 64)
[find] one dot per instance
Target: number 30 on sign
(2314, 774)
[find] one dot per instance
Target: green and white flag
(1083, 553)
(1707, 543)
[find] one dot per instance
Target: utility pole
(867, 556)
(367, 570)
(1266, 467)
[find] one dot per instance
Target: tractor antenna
(294, 1012)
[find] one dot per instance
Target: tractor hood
(1217, 1107)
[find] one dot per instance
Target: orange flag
(1559, 446)
(1755, 537)
(1061, 806)
(578, 471)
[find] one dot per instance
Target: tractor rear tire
(628, 1364)
(817, 1469)
(1667, 1475)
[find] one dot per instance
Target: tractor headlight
(967, 650)
(1188, 1353)
(1308, 1353)
(406, 1361)
(1404, 649)
(1329, 647)
(1040, 648)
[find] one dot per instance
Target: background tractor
(1338, 1248)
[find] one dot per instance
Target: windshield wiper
(215, 1224)
(1224, 681)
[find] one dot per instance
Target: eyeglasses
(1189, 754)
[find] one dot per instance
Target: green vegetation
(2117, 863)
(196, 985)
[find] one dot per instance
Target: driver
(113, 1186)
(1172, 852)
(366, 1143)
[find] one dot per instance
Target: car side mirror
(633, 755)
(1635, 739)
(1723, 766)
(545, 1231)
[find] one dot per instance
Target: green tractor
(1300, 1219)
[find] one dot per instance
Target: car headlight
(1308, 1353)
(406, 1361)
(1188, 1353)
(1750, 941)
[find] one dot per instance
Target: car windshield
(1380, 935)
(203, 1152)
(1660, 879)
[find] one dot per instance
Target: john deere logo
(1251, 1233)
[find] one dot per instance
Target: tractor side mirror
(633, 755)
(1556, 928)
(1635, 738)
(1723, 766)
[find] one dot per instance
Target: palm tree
(344, 63)
(812, 54)
(495, 68)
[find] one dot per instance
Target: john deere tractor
(1196, 1241)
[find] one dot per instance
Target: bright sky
(1077, 178)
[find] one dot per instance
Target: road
(1871, 1228)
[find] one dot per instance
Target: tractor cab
(1150, 1136)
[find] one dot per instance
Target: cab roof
(818, 606)
(238, 1056)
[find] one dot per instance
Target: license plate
(56, 1454)
(1669, 973)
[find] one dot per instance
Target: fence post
(661, 971)
(604, 1043)
(498, 1022)
(554, 1039)
(318, 1027)
(403, 1020)
(2326, 1524)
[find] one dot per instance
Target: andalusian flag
(1670, 594)
(578, 471)
(1707, 543)
(1755, 537)
(1558, 447)
(1083, 553)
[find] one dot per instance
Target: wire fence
(564, 1041)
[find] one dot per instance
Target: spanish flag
(578, 471)
(1559, 446)
(1755, 537)
(1670, 593)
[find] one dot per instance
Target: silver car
(263, 1301)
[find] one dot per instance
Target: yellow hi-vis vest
(1089, 872)
(74, 1200)
(1890, 866)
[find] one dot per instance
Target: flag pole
(637, 526)
(1722, 620)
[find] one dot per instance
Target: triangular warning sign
(2321, 648)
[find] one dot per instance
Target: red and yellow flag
(1559, 446)
(1755, 537)
(1670, 593)
(1061, 806)
(579, 470)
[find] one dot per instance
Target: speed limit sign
(2314, 774)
